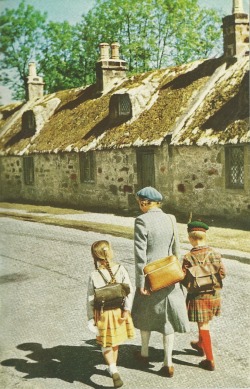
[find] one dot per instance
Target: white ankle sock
(113, 368)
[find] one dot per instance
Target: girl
(202, 307)
(112, 326)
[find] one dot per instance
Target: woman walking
(164, 311)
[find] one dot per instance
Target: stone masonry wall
(190, 179)
(198, 175)
(57, 180)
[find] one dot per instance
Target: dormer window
(120, 108)
(28, 123)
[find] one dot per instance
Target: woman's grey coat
(155, 237)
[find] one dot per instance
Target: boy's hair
(198, 235)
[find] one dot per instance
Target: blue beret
(149, 193)
(197, 226)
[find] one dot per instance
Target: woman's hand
(144, 292)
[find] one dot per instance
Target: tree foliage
(21, 32)
(152, 34)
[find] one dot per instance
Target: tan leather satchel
(163, 272)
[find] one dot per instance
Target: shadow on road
(68, 363)
(77, 363)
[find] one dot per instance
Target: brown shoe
(144, 361)
(167, 371)
(117, 380)
(207, 365)
(199, 349)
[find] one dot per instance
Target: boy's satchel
(110, 296)
(163, 272)
(202, 278)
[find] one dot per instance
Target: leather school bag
(110, 296)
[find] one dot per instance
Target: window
(145, 168)
(28, 123)
(28, 169)
(235, 167)
(120, 108)
(87, 167)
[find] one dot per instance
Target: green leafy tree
(152, 33)
(60, 58)
(55, 47)
(21, 38)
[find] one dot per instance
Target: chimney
(109, 71)
(35, 83)
(236, 31)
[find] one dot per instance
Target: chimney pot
(32, 69)
(237, 7)
(115, 50)
(104, 51)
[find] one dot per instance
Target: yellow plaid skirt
(112, 330)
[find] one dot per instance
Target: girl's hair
(101, 251)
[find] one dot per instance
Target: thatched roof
(203, 102)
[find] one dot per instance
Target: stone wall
(57, 180)
(191, 178)
(199, 183)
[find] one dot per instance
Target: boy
(202, 305)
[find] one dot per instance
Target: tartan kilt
(203, 307)
(113, 331)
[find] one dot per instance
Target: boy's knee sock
(200, 339)
(207, 344)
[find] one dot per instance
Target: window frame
(117, 103)
(87, 167)
(143, 178)
(229, 150)
(28, 170)
(29, 123)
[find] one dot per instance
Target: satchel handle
(173, 236)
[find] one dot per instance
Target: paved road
(44, 340)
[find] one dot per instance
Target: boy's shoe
(207, 365)
(167, 371)
(199, 349)
(117, 380)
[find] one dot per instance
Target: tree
(60, 57)
(21, 32)
(152, 33)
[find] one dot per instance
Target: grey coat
(156, 236)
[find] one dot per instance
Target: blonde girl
(113, 326)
